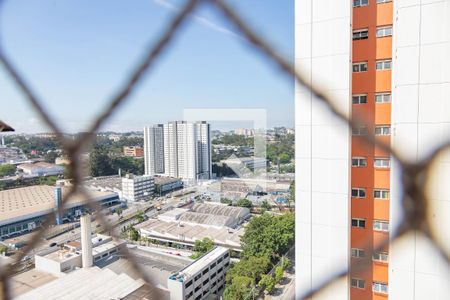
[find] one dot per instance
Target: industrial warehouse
(97, 268)
(24, 209)
(183, 227)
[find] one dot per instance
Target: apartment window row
(359, 162)
(377, 287)
(379, 130)
(358, 283)
(381, 194)
(358, 253)
(380, 287)
(380, 256)
(384, 31)
(380, 65)
(379, 98)
(358, 192)
(360, 223)
(359, 3)
(381, 225)
(363, 34)
(360, 34)
(382, 163)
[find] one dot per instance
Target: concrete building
(24, 209)
(133, 151)
(187, 150)
(154, 149)
(397, 84)
(252, 163)
(135, 188)
(204, 277)
(41, 168)
(184, 146)
(164, 185)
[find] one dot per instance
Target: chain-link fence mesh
(414, 179)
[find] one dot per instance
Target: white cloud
(200, 20)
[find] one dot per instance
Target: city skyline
(75, 67)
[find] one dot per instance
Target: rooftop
(207, 219)
(32, 201)
(203, 261)
(27, 281)
(38, 165)
(165, 180)
(91, 283)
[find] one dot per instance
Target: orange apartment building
(370, 172)
(133, 151)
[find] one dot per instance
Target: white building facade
(154, 149)
(135, 188)
(179, 149)
(323, 53)
(202, 278)
(421, 122)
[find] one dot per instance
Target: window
(206, 281)
(205, 271)
(380, 194)
(383, 1)
(219, 270)
(212, 265)
(361, 130)
(362, 34)
(380, 225)
(358, 283)
(360, 67)
(380, 287)
(358, 193)
(382, 163)
(197, 277)
(359, 99)
(380, 256)
(188, 284)
(226, 255)
(190, 295)
(227, 264)
(197, 288)
(220, 260)
(384, 31)
(361, 223)
(382, 98)
(382, 64)
(358, 253)
(213, 275)
(383, 130)
(359, 3)
(359, 162)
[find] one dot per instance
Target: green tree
(253, 267)
(139, 217)
(285, 263)
(244, 203)
(50, 157)
(3, 249)
(226, 201)
(265, 205)
(204, 245)
(99, 162)
(119, 212)
(269, 235)
(7, 170)
(241, 289)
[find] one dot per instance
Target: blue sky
(75, 55)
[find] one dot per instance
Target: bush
(278, 274)
(267, 282)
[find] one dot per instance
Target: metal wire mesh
(414, 179)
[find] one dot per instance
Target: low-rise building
(164, 185)
(133, 151)
(41, 169)
(24, 209)
(203, 277)
(135, 188)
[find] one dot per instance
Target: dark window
(198, 288)
(206, 281)
(197, 277)
(213, 265)
(226, 255)
(220, 260)
(219, 270)
(205, 271)
(213, 275)
(188, 284)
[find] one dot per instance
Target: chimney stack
(86, 240)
